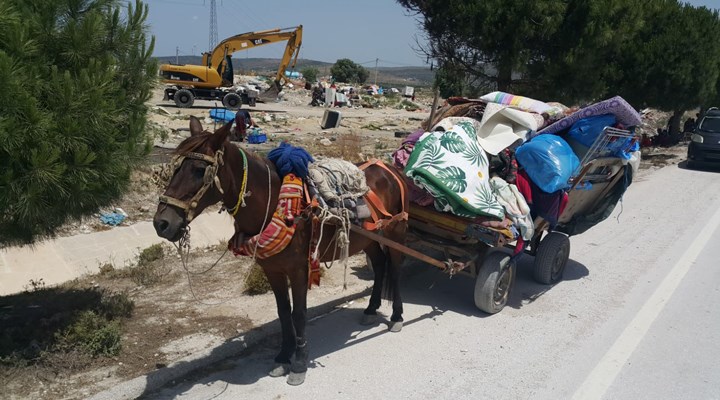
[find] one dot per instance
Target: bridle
(210, 178)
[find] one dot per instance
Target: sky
(361, 30)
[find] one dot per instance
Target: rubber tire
(184, 98)
(489, 277)
(252, 102)
(232, 101)
(551, 258)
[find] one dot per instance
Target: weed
(256, 282)
(55, 323)
(118, 305)
(147, 271)
(107, 269)
(408, 105)
(35, 285)
(93, 334)
(150, 254)
(371, 127)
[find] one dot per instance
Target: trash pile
(505, 160)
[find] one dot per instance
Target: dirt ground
(188, 311)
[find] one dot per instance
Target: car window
(710, 124)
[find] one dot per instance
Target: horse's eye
(198, 172)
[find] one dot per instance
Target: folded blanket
(617, 106)
(453, 167)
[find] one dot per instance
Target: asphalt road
(635, 318)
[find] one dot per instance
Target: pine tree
(75, 76)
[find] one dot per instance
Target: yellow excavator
(214, 79)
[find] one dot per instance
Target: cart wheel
(551, 258)
(184, 98)
(493, 282)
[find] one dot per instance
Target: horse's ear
(220, 135)
(195, 126)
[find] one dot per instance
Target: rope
(183, 246)
(265, 222)
(243, 187)
(341, 238)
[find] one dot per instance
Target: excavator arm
(249, 40)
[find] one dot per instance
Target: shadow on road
(421, 285)
(700, 167)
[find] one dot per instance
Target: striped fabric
(279, 232)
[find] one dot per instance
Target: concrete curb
(136, 387)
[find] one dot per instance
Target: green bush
(150, 254)
(310, 74)
(256, 282)
(92, 334)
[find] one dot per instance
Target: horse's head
(194, 184)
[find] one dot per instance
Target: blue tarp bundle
(222, 115)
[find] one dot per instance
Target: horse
(208, 169)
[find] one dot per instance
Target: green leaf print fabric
(453, 167)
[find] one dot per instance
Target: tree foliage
(310, 73)
(75, 76)
(345, 70)
(656, 53)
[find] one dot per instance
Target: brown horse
(208, 169)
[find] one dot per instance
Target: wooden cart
(471, 249)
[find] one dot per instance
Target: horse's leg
(377, 258)
(396, 319)
(395, 259)
(299, 285)
(278, 282)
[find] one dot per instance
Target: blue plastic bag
(549, 162)
(586, 130)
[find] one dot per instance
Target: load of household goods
(505, 160)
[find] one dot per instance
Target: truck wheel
(551, 258)
(232, 101)
(493, 282)
(184, 98)
(251, 102)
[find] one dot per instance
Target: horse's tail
(390, 270)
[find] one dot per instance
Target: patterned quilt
(453, 167)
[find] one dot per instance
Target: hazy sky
(361, 30)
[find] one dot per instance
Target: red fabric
(563, 203)
(523, 184)
(279, 232)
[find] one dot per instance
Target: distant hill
(386, 76)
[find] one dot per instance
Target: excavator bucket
(271, 93)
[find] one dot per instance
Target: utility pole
(177, 55)
(376, 63)
(213, 26)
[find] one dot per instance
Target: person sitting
(243, 121)
(646, 141)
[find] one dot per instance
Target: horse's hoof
(279, 370)
(395, 326)
(369, 319)
(296, 378)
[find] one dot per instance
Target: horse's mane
(192, 143)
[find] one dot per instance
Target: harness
(210, 178)
(377, 207)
